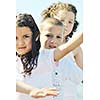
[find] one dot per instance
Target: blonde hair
(53, 21)
(53, 9)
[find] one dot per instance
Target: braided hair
(29, 60)
(53, 9)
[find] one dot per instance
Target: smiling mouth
(51, 46)
(21, 47)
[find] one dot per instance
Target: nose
(20, 42)
(53, 41)
(65, 24)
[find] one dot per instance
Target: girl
(27, 52)
(34, 67)
(65, 69)
(67, 14)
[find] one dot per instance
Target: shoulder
(46, 52)
(76, 51)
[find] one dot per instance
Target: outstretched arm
(64, 49)
(35, 92)
(24, 88)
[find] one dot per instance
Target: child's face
(23, 40)
(51, 36)
(67, 18)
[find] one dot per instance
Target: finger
(49, 89)
(52, 93)
(39, 95)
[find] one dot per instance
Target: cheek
(71, 27)
(45, 42)
(16, 44)
(61, 42)
(43, 39)
(29, 45)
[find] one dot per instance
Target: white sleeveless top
(50, 74)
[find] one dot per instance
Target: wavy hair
(30, 59)
(53, 9)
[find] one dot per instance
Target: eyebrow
(72, 19)
(28, 33)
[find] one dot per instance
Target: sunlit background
(35, 7)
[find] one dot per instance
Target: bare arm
(78, 55)
(24, 88)
(64, 49)
(35, 92)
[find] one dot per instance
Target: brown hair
(53, 9)
(29, 60)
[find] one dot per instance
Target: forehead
(51, 27)
(23, 30)
(65, 14)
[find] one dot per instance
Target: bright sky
(35, 7)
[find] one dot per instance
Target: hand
(41, 93)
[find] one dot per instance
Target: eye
(70, 22)
(26, 36)
(16, 38)
(48, 35)
(59, 37)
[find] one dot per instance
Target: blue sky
(35, 7)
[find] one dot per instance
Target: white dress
(69, 76)
(47, 74)
(73, 76)
(79, 95)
